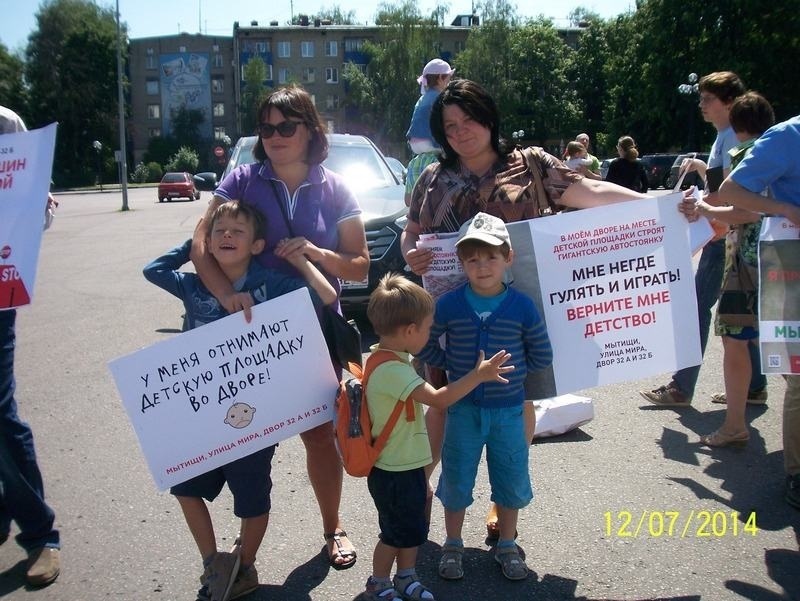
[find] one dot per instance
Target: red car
(177, 185)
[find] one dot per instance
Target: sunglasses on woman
(285, 129)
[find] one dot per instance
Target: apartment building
(187, 70)
(207, 72)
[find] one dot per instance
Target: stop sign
(219, 151)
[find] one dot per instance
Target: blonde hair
(575, 148)
(397, 302)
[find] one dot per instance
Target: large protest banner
(616, 287)
(26, 162)
(228, 389)
(779, 296)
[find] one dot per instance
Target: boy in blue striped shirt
(486, 315)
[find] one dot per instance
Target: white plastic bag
(561, 414)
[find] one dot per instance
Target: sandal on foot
(411, 589)
(450, 564)
(373, 592)
(511, 562)
(719, 438)
(347, 557)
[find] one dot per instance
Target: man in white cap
(435, 77)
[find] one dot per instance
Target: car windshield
(358, 164)
(173, 178)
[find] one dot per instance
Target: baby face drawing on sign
(240, 415)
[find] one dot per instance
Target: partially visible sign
(26, 161)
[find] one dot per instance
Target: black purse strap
(282, 206)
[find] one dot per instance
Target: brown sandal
(718, 438)
(347, 556)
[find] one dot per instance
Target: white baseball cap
(486, 228)
(434, 67)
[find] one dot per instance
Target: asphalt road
(124, 540)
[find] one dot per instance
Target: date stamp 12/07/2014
(679, 524)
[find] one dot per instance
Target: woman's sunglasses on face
(286, 129)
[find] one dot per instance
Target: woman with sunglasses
(308, 210)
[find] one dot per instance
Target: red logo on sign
(12, 288)
(794, 363)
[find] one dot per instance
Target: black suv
(380, 194)
(693, 178)
(657, 167)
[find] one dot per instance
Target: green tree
(487, 57)
(71, 68)
(12, 89)
(540, 97)
(590, 81)
(186, 124)
(254, 91)
(186, 159)
(386, 95)
(334, 14)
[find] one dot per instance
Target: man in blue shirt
(774, 163)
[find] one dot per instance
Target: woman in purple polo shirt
(312, 211)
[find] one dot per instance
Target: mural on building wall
(186, 81)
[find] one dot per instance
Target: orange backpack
(352, 423)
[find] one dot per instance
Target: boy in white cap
(486, 315)
(435, 77)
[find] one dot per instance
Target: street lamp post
(691, 90)
(98, 146)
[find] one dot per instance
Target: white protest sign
(617, 289)
(26, 161)
(779, 291)
(445, 272)
(228, 389)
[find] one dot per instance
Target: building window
(284, 49)
(182, 49)
(217, 85)
(309, 75)
(360, 67)
(332, 102)
(261, 47)
(331, 126)
(150, 62)
(154, 132)
(215, 48)
(151, 86)
(218, 61)
(353, 44)
(307, 49)
(269, 72)
(219, 109)
(460, 45)
(331, 75)
(219, 132)
(284, 74)
(153, 111)
(331, 48)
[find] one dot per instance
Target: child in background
(435, 77)
(401, 314)
(577, 157)
(484, 314)
(236, 234)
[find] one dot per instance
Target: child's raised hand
(492, 370)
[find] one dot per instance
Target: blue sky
(146, 18)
